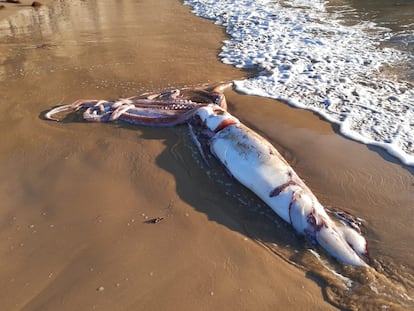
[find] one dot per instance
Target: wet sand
(8, 9)
(76, 197)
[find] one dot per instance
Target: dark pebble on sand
(2, 6)
(36, 4)
(154, 220)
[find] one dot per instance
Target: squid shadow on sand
(209, 189)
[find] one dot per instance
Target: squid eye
(311, 220)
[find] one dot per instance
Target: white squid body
(255, 163)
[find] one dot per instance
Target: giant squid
(247, 156)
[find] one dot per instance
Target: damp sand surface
(77, 199)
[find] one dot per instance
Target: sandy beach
(8, 9)
(76, 197)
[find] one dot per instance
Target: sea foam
(310, 58)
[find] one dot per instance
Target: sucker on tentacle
(247, 156)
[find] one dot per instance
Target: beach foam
(310, 58)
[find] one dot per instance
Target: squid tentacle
(166, 109)
(79, 104)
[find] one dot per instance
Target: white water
(309, 58)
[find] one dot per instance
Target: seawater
(349, 61)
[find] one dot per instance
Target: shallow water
(83, 50)
(326, 57)
(394, 15)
